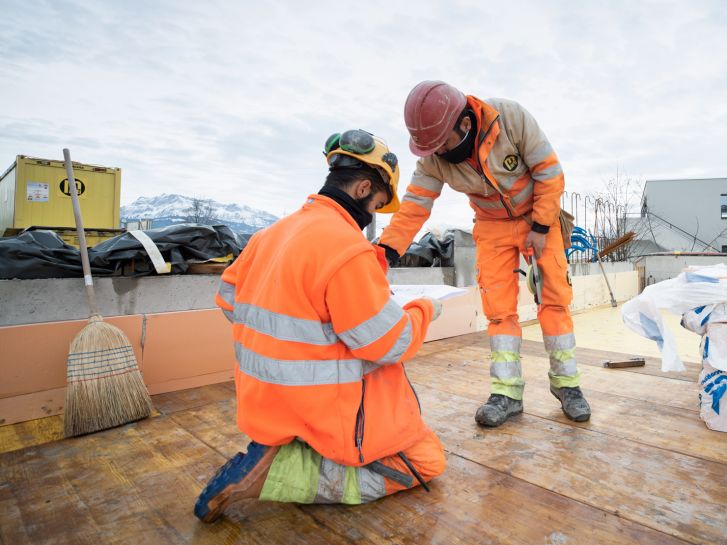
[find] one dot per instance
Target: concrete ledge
(188, 348)
(422, 275)
(54, 299)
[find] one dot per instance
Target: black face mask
(356, 207)
(463, 150)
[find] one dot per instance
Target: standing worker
(494, 151)
(321, 388)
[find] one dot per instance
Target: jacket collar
(488, 129)
(316, 200)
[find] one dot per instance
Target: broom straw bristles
(104, 385)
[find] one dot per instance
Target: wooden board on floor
(133, 484)
(30, 433)
(660, 390)
(181, 400)
(617, 410)
(644, 470)
(589, 356)
(468, 504)
(669, 492)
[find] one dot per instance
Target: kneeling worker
(321, 388)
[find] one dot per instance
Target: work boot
(242, 477)
(573, 403)
(497, 409)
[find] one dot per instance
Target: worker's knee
(432, 461)
(439, 464)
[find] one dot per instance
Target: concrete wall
(656, 268)
(180, 341)
(422, 275)
(49, 300)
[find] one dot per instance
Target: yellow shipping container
(34, 193)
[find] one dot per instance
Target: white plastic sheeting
(694, 288)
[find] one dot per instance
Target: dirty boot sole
(231, 482)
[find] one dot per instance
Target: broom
(104, 385)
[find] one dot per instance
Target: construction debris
(620, 364)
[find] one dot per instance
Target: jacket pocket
(360, 421)
(416, 396)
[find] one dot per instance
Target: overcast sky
(233, 100)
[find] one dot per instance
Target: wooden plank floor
(644, 470)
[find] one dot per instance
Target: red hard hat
(430, 113)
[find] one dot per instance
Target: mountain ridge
(171, 208)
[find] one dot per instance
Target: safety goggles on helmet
(358, 149)
(356, 141)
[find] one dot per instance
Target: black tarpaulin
(430, 251)
(42, 254)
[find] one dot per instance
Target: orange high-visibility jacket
(511, 151)
(319, 341)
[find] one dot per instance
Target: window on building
(724, 248)
(723, 203)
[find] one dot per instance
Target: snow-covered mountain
(168, 209)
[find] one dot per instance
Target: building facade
(686, 215)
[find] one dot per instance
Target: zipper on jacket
(488, 182)
(360, 421)
(481, 172)
(412, 389)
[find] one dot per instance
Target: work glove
(392, 256)
(437, 307)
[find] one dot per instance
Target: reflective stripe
(561, 349)
(510, 387)
(505, 353)
(510, 343)
(486, 204)
(540, 154)
(524, 194)
(284, 328)
(559, 381)
(336, 485)
(567, 368)
(374, 328)
(547, 173)
(299, 372)
(424, 202)
(230, 315)
(227, 292)
(427, 182)
(371, 484)
(504, 356)
(506, 369)
(506, 182)
(331, 479)
(396, 352)
(559, 342)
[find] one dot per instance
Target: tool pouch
(566, 227)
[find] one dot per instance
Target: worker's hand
(437, 307)
(392, 256)
(536, 241)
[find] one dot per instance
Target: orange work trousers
(499, 245)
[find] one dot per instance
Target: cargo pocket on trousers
(489, 309)
(558, 289)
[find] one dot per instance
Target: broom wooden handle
(87, 278)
